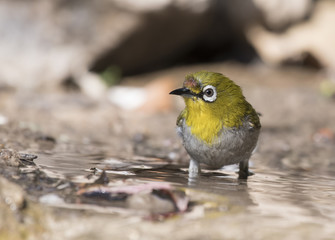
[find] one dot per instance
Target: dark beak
(181, 91)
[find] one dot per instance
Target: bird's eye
(209, 93)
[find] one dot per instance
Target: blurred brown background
(44, 43)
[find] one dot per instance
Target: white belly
(232, 146)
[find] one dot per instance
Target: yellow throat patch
(203, 124)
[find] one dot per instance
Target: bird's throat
(203, 125)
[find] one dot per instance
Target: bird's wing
(180, 118)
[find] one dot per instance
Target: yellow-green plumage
(218, 126)
(229, 110)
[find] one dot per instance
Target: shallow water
(284, 198)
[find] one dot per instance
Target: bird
(218, 126)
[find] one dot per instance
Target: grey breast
(232, 146)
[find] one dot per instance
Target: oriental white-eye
(218, 126)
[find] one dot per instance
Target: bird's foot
(194, 168)
(244, 175)
(244, 172)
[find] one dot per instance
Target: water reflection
(302, 195)
(287, 197)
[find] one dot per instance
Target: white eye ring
(209, 93)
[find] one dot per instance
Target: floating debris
(103, 179)
(27, 156)
(146, 198)
(51, 199)
(15, 159)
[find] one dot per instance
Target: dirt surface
(103, 171)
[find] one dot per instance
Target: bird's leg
(194, 168)
(244, 170)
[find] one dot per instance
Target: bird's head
(213, 94)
